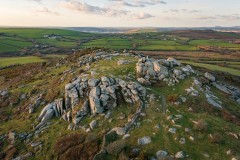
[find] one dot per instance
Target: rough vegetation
(105, 104)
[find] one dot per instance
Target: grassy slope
(161, 139)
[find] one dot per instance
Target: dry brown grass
(123, 156)
(116, 147)
(230, 117)
(172, 98)
(201, 125)
(84, 151)
(67, 142)
(10, 153)
(216, 138)
(77, 146)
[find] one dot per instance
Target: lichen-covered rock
(93, 82)
(174, 61)
(209, 77)
(179, 155)
(143, 81)
(161, 154)
(144, 140)
(95, 105)
(169, 70)
(48, 115)
(59, 107)
(98, 95)
(177, 72)
(44, 111)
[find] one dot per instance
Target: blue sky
(120, 13)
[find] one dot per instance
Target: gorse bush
(172, 98)
(116, 147)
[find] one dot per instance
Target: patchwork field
(29, 40)
(215, 67)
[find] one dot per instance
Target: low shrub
(172, 98)
(201, 125)
(68, 141)
(216, 138)
(116, 147)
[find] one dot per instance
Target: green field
(20, 60)
(15, 40)
(28, 59)
(214, 67)
(216, 43)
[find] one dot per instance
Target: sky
(120, 13)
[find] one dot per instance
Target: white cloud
(220, 17)
(142, 16)
(107, 11)
(90, 9)
(138, 3)
(47, 11)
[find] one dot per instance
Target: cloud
(142, 16)
(105, 11)
(182, 11)
(220, 17)
(139, 3)
(38, 1)
(47, 11)
(90, 9)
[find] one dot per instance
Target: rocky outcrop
(86, 60)
(170, 70)
(233, 91)
(95, 95)
(212, 99)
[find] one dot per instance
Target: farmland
(215, 49)
(215, 67)
(8, 61)
(15, 41)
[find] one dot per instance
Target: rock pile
(233, 91)
(96, 55)
(210, 77)
(212, 99)
(169, 70)
(96, 96)
(122, 62)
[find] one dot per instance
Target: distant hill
(149, 29)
